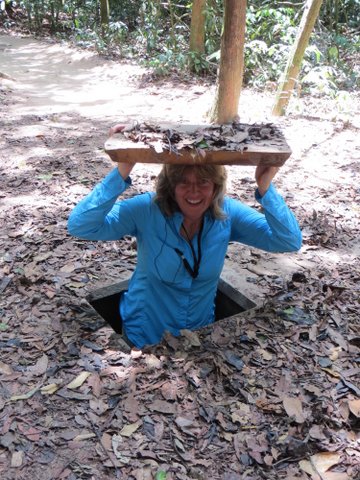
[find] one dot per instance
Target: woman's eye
(202, 183)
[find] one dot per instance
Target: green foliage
(331, 63)
(213, 25)
(157, 32)
(167, 62)
(270, 34)
(160, 475)
(339, 14)
(201, 63)
(328, 64)
(320, 80)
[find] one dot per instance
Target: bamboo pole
(292, 69)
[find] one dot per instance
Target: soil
(268, 394)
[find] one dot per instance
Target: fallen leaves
(259, 396)
(163, 407)
(293, 407)
(17, 459)
(319, 465)
(49, 389)
(24, 396)
(235, 136)
(354, 407)
(5, 369)
(78, 381)
(129, 429)
(40, 367)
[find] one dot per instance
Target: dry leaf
(313, 389)
(336, 476)
(68, 268)
(83, 436)
(106, 441)
(42, 256)
(265, 354)
(324, 461)
(306, 467)
(334, 355)
(17, 459)
(98, 406)
(354, 407)
(30, 432)
(192, 337)
(79, 380)
(24, 396)
(153, 362)
(268, 460)
(5, 369)
(184, 422)
(169, 390)
(49, 389)
(40, 366)
(129, 429)
(116, 442)
(331, 372)
(317, 432)
(293, 408)
(162, 407)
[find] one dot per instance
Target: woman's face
(194, 195)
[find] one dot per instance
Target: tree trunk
(231, 69)
(104, 13)
(197, 28)
(290, 76)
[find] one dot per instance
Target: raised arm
(99, 216)
(264, 176)
(276, 228)
(124, 168)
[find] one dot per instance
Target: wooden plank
(272, 151)
(108, 290)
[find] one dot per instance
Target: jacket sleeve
(100, 217)
(274, 230)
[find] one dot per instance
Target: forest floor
(273, 393)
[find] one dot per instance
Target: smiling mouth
(193, 202)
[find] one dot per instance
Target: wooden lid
(237, 144)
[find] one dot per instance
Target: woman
(182, 231)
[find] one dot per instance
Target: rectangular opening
(105, 301)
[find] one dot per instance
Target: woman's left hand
(116, 129)
(263, 176)
(124, 168)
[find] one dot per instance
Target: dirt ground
(273, 393)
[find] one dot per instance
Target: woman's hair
(171, 175)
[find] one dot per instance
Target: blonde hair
(171, 175)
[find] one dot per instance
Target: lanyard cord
(194, 272)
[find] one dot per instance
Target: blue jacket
(162, 294)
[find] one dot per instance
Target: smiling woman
(182, 231)
(189, 188)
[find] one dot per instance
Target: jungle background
(269, 394)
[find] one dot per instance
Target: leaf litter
(232, 137)
(270, 394)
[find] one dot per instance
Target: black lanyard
(194, 272)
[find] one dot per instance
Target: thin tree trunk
(293, 66)
(104, 13)
(225, 107)
(173, 25)
(197, 27)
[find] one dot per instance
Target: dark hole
(105, 301)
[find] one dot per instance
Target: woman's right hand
(124, 168)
